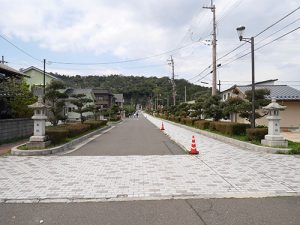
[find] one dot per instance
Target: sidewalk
(5, 148)
(292, 136)
(220, 170)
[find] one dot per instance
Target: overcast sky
(106, 31)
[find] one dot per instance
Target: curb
(232, 141)
(67, 146)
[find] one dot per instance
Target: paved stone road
(135, 136)
(221, 170)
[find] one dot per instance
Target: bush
(256, 134)
(177, 119)
(202, 124)
(230, 128)
(240, 128)
(94, 124)
(77, 129)
(212, 126)
(57, 134)
(117, 118)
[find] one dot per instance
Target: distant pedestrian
(137, 115)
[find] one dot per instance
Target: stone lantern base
(38, 142)
(274, 141)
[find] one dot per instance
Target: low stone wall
(15, 128)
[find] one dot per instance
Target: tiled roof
(39, 70)
(76, 91)
(8, 71)
(280, 92)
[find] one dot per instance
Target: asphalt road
(263, 211)
(131, 137)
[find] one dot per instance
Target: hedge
(96, 124)
(187, 121)
(202, 124)
(57, 135)
(256, 134)
(77, 129)
(230, 128)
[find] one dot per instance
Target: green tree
(56, 99)
(234, 105)
(199, 105)
(260, 101)
(15, 99)
(129, 109)
(213, 108)
(80, 101)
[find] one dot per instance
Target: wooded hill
(137, 89)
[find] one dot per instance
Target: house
(119, 99)
(101, 98)
(69, 107)
(7, 72)
(36, 76)
(284, 94)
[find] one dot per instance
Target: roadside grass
(237, 137)
(294, 146)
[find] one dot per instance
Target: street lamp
(240, 30)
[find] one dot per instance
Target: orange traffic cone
(193, 147)
(162, 126)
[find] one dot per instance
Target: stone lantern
(273, 138)
(38, 140)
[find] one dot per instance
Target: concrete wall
(290, 117)
(15, 128)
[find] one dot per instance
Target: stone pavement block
(220, 170)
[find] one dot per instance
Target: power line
(262, 46)
(227, 11)
(23, 51)
(277, 21)
(278, 38)
(279, 30)
(124, 61)
(233, 50)
(199, 73)
(247, 49)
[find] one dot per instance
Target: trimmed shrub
(177, 119)
(189, 121)
(240, 128)
(202, 124)
(57, 134)
(256, 134)
(77, 129)
(212, 126)
(94, 124)
(183, 120)
(230, 128)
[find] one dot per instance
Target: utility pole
(184, 93)
(173, 81)
(44, 81)
(214, 49)
(2, 61)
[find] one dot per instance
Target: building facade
(284, 95)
